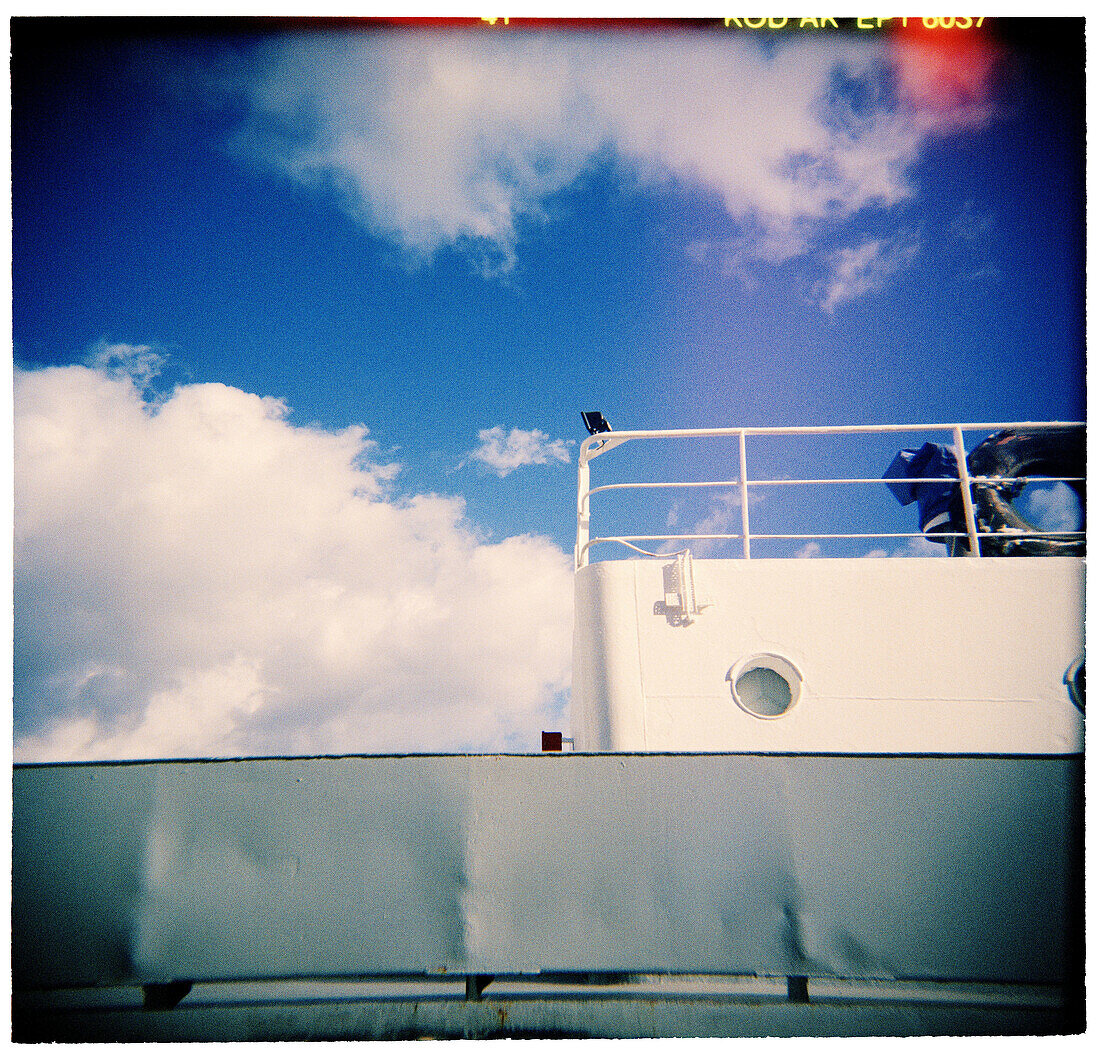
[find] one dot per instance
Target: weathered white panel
(606, 662)
(855, 867)
(914, 655)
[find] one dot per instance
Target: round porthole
(766, 685)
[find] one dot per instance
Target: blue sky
(251, 265)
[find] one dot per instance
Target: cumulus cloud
(458, 138)
(724, 511)
(198, 576)
(1054, 508)
(722, 517)
(430, 139)
(142, 363)
(914, 547)
(504, 452)
(865, 268)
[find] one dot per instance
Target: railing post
(968, 500)
(580, 557)
(744, 496)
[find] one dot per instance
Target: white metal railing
(600, 444)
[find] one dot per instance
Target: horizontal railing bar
(998, 480)
(797, 431)
(833, 536)
(673, 536)
(663, 485)
(974, 480)
(828, 481)
(1022, 535)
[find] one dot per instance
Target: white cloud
(1054, 508)
(431, 139)
(445, 139)
(504, 452)
(724, 511)
(142, 363)
(772, 245)
(722, 517)
(811, 549)
(914, 547)
(200, 577)
(862, 269)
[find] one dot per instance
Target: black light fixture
(594, 422)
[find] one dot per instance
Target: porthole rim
(763, 659)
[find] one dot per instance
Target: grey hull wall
(905, 868)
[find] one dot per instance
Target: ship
(802, 794)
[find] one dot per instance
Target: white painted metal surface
(930, 655)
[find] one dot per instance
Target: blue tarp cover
(933, 499)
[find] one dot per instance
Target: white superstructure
(923, 655)
(868, 654)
